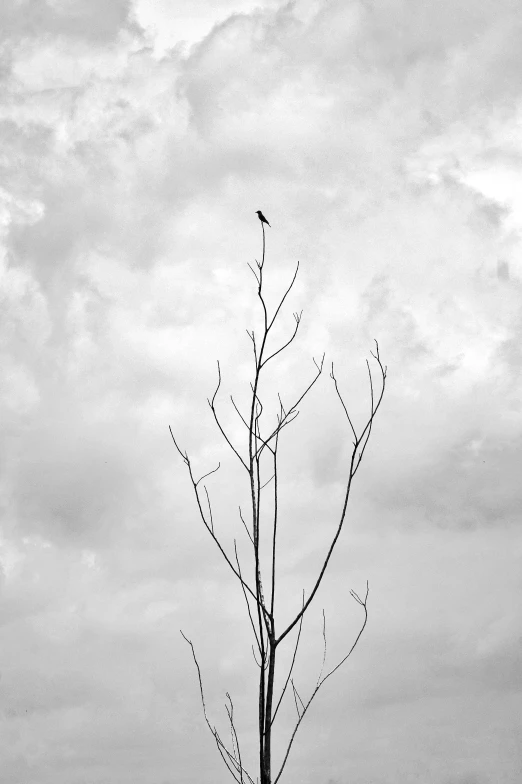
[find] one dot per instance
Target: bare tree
(260, 605)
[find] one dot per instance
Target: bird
(262, 217)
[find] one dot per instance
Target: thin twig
(213, 409)
(297, 317)
(292, 663)
(363, 603)
(245, 525)
(206, 524)
(284, 297)
(246, 599)
(324, 647)
(351, 474)
(221, 746)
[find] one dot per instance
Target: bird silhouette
(262, 217)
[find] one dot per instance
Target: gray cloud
(97, 22)
(129, 181)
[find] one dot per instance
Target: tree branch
(213, 409)
(351, 474)
(363, 603)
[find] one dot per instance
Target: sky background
(383, 141)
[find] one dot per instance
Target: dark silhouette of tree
(263, 447)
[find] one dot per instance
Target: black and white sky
(383, 141)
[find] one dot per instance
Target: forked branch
(321, 680)
(355, 461)
(209, 526)
(232, 759)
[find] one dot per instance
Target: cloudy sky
(383, 141)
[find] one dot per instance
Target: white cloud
(383, 145)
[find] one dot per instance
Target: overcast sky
(383, 141)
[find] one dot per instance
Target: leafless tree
(260, 605)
